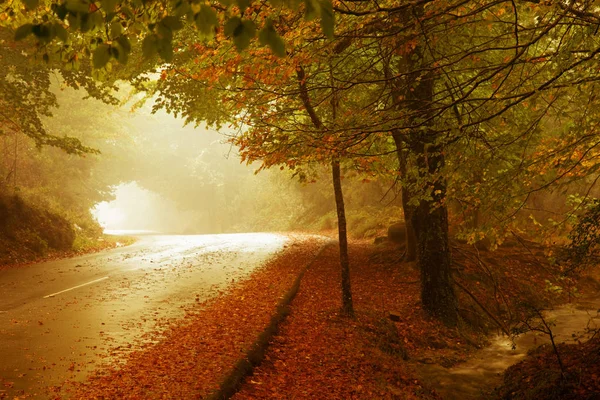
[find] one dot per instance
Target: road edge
(255, 355)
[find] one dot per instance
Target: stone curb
(256, 354)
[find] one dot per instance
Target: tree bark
(347, 305)
(430, 221)
(430, 217)
(407, 209)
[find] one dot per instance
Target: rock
(436, 343)
(397, 232)
(483, 245)
(394, 316)
(380, 240)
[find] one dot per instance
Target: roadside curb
(256, 354)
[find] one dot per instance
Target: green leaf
(249, 28)
(109, 5)
(31, 4)
(232, 25)
(85, 22)
(182, 8)
(96, 21)
(42, 32)
(277, 45)
(206, 19)
(165, 50)
(116, 29)
(149, 46)
(77, 6)
(243, 33)
(269, 37)
(311, 10)
(241, 42)
(123, 41)
(73, 21)
(171, 22)
(23, 31)
(120, 54)
(327, 18)
(101, 56)
(164, 32)
(243, 5)
(61, 32)
(123, 57)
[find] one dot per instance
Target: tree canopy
(481, 105)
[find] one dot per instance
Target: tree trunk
(347, 306)
(411, 239)
(430, 217)
(430, 221)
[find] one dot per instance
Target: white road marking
(76, 287)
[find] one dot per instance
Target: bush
(584, 239)
(32, 228)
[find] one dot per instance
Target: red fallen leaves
(321, 355)
(193, 356)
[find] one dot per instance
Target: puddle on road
(477, 377)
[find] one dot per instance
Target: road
(60, 319)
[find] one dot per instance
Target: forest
(447, 143)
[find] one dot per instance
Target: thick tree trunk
(437, 293)
(430, 221)
(411, 239)
(430, 217)
(347, 306)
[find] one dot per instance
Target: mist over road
(59, 319)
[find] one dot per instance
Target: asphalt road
(60, 319)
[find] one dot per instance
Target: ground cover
(319, 354)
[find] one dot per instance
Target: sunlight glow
(108, 215)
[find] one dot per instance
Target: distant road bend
(58, 318)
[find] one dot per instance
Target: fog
(152, 172)
(181, 179)
(138, 209)
(165, 177)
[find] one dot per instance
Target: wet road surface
(59, 319)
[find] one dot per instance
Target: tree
(108, 30)
(26, 97)
(440, 77)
